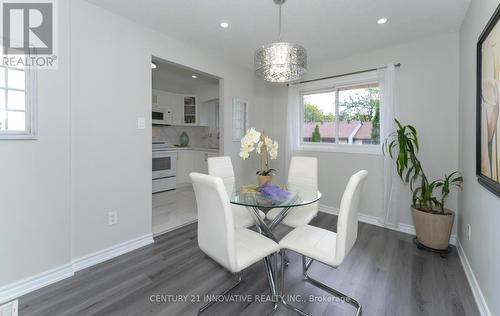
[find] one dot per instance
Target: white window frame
(334, 85)
(240, 118)
(30, 106)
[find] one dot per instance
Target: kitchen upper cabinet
(155, 99)
(204, 110)
(171, 101)
(190, 109)
(164, 99)
(186, 110)
(178, 111)
(209, 114)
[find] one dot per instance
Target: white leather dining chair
(328, 247)
(233, 248)
(223, 168)
(302, 171)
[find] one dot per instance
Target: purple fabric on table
(274, 192)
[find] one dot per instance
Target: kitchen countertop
(173, 148)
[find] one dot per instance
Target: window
(343, 117)
(240, 115)
(16, 109)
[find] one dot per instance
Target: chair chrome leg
(282, 287)
(275, 308)
(293, 308)
(282, 272)
(286, 260)
(342, 296)
(305, 266)
(271, 277)
(212, 302)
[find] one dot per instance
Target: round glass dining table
(265, 199)
(284, 197)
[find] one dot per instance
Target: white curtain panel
(388, 111)
(292, 123)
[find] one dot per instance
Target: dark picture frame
(488, 130)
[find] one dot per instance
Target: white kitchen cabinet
(154, 99)
(199, 159)
(186, 110)
(209, 114)
(191, 161)
(166, 99)
(171, 101)
(190, 109)
(159, 98)
(177, 111)
(184, 167)
(204, 114)
(214, 117)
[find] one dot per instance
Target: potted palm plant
(433, 221)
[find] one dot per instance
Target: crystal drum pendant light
(280, 61)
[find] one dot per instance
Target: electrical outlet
(469, 232)
(112, 218)
(141, 123)
(9, 309)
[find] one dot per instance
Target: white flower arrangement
(264, 146)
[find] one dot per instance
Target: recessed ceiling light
(153, 66)
(224, 25)
(382, 20)
(194, 76)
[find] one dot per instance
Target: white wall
(478, 207)
(89, 157)
(206, 92)
(34, 186)
(267, 114)
(427, 97)
(111, 159)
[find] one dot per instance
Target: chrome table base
(265, 229)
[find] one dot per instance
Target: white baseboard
(111, 252)
(484, 310)
(13, 290)
(373, 220)
(410, 229)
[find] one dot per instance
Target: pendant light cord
(279, 27)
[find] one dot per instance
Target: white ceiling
(327, 28)
(175, 78)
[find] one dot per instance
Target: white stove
(164, 167)
(161, 146)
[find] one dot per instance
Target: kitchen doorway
(186, 129)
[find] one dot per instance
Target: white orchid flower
(259, 148)
(253, 136)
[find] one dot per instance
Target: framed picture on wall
(240, 113)
(487, 106)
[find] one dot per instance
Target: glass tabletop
(274, 196)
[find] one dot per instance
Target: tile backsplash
(199, 136)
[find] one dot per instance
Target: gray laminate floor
(384, 271)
